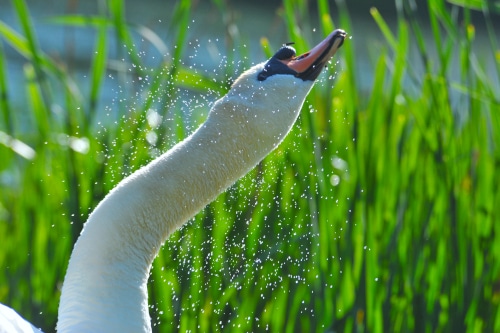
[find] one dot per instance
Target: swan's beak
(309, 65)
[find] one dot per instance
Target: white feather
(105, 288)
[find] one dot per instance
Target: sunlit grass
(378, 213)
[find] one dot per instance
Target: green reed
(376, 214)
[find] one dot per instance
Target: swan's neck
(105, 285)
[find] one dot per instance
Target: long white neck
(105, 285)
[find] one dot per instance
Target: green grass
(407, 241)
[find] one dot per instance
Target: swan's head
(307, 66)
(267, 98)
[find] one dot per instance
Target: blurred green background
(378, 213)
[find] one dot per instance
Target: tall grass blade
(98, 71)
(4, 94)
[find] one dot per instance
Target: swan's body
(105, 288)
(11, 321)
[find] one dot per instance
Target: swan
(105, 287)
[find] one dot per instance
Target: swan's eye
(278, 63)
(302, 56)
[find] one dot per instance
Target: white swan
(105, 286)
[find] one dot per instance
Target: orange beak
(317, 58)
(307, 66)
